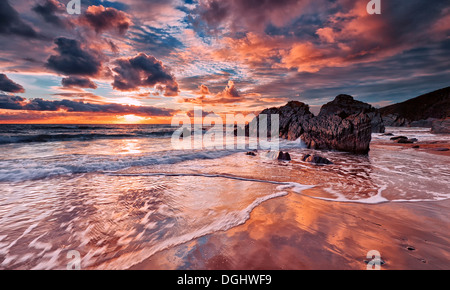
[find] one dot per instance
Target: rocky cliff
(420, 111)
(344, 124)
(345, 105)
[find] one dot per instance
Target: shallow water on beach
(117, 201)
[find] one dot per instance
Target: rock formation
(284, 156)
(421, 111)
(345, 105)
(344, 124)
(316, 159)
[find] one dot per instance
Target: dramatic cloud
(273, 50)
(244, 15)
(203, 90)
(143, 71)
(11, 22)
(49, 9)
(7, 85)
(72, 59)
(78, 82)
(229, 95)
(18, 103)
(106, 19)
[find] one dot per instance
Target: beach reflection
(297, 232)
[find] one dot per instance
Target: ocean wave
(42, 138)
(34, 169)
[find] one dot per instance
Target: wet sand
(433, 147)
(299, 232)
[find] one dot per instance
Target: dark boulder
(345, 105)
(332, 132)
(398, 137)
(404, 141)
(344, 124)
(316, 159)
(284, 156)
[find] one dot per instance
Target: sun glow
(131, 119)
(128, 101)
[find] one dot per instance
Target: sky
(145, 61)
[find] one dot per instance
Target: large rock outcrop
(336, 128)
(345, 105)
(351, 134)
(418, 112)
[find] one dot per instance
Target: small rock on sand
(316, 159)
(441, 149)
(284, 156)
(399, 137)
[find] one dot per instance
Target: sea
(117, 194)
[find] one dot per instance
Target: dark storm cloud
(12, 24)
(245, 15)
(48, 10)
(143, 71)
(7, 85)
(102, 19)
(18, 103)
(78, 82)
(72, 60)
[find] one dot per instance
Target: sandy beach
(137, 205)
(298, 232)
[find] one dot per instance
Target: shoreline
(424, 146)
(299, 232)
(296, 232)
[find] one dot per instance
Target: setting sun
(131, 119)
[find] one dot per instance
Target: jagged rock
(334, 131)
(292, 117)
(394, 120)
(251, 153)
(345, 105)
(350, 134)
(441, 126)
(316, 159)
